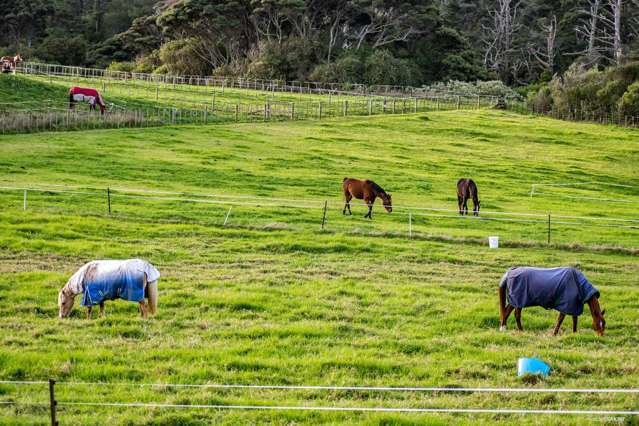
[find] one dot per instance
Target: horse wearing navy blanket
(564, 289)
(102, 280)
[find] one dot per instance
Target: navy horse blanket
(564, 289)
(102, 280)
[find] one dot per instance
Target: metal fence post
(52, 402)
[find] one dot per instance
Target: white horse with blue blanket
(101, 280)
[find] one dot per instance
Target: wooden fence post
(548, 227)
(237, 112)
(324, 216)
(292, 110)
(410, 225)
(319, 110)
(345, 107)
(109, 199)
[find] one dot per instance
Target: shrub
(485, 88)
(347, 69)
(540, 101)
(181, 58)
(629, 102)
(127, 66)
(285, 61)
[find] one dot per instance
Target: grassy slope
(272, 305)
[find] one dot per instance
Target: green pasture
(271, 298)
(27, 92)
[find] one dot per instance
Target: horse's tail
(152, 294)
(502, 307)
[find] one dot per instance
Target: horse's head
(65, 302)
(387, 199)
(599, 323)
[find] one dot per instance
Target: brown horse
(9, 63)
(466, 189)
(366, 190)
(564, 289)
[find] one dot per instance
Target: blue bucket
(532, 366)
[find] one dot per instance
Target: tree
(499, 37)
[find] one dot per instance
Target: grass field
(272, 299)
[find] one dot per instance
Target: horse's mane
(376, 187)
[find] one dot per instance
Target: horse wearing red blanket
(82, 94)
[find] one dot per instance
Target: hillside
(271, 299)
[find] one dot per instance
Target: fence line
(281, 202)
(230, 82)
(354, 409)
(578, 197)
(336, 388)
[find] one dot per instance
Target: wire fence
(154, 99)
(81, 400)
(295, 214)
(231, 82)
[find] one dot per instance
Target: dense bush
(629, 102)
(582, 90)
(181, 58)
(377, 67)
(281, 61)
(125, 66)
(484, 88)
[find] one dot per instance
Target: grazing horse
(82, 94)
(102, 280)
(466, 189)
(564, 289)
(9, 63)
(366, 190)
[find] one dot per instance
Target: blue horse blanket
(564, 289)
(102, 280)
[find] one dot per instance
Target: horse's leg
(465, 205)
(459, 204)
(574, 323)
(348, 197)
(518, 319)
(370, 209)
(507, 312)
(143, 309)
(101, 309)
(89, 308)
(559, 321)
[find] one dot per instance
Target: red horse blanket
(83, 94)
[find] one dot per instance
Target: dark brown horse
(366, 190)
(466, 189)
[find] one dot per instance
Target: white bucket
(493, 242)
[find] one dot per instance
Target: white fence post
(24, 206)
(226, 218)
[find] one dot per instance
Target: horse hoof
(502, 328)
